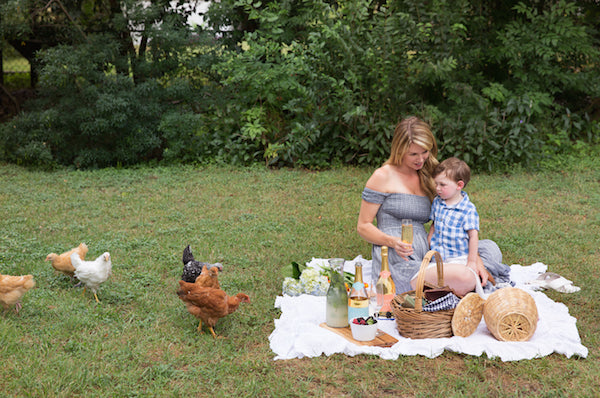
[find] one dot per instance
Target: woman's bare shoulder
(379, 180)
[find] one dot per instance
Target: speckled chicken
(193, 268)
(62, 262)
(12, 289)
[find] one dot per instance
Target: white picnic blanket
(297, 332)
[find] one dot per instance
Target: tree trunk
(28, 49)
(127, 47)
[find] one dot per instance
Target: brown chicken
(62, 262)
(208, 278)
(12, 288)
(209, 304)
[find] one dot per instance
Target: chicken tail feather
(187, 255)
(29, 283)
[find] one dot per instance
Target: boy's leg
(456, 276)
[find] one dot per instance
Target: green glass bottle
(336, 313)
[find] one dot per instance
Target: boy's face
(446, 188)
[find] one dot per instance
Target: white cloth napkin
(297, 332)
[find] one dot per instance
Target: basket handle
(421, 277)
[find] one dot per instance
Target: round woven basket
(415, 323)
(467, 315)
(510, 314)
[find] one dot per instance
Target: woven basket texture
(415, 323)
(467, 315)
(510, 314)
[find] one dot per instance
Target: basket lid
(467, 315)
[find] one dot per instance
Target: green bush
(85, 116)
(327, 83)
(25, 140)
(314, 83)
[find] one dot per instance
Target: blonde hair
(413, 130)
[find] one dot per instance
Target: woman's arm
(365, 227)
(379, 181)
(369, 232)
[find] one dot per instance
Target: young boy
(454, 232)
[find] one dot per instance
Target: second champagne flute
(407, 231)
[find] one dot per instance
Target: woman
(403, 188)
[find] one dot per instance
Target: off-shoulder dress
(396, 206)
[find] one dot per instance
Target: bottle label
(358, 303)
(386, 306)
(354, 312)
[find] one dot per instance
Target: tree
(33, 25)
(311, 82)
(100, 95)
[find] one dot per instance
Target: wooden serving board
(382, 339)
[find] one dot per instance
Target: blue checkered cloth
(450, 238)
(447, 302)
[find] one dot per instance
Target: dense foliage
(314, 82)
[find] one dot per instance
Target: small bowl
(363, 332)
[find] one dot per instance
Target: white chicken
(92, 273)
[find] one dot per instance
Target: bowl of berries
(364, 329)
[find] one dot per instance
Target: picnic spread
(301, 330)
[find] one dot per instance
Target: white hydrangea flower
(313, 282)
(292, 287)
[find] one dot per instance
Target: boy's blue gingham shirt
(450, 237)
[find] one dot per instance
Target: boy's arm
(473, 248)
(430, 234)
(472, 258)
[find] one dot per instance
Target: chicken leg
(95, 296)
(209, 328)
(212, 332)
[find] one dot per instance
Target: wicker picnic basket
(415, 323)
(510, 314)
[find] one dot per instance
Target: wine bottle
(358, 300)
(385, 287)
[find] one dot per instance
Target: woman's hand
(403, 249)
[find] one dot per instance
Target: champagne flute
(407, 231)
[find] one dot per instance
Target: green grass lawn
(140, 340)
(16, 64)
(16, 70)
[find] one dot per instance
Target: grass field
(16, 69)
(140, 340)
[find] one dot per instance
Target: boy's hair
(455, 169)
